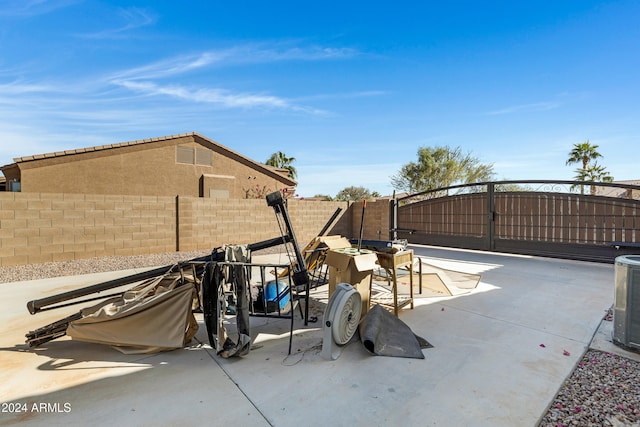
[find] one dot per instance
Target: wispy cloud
(282, 52)
(16, 88)
(132, 103)
(525, 108)
(26, 8)
(170, 67)
(238, 55)
(145, 79)
(346, 95)
(215, 96)
(221, 97)
(132, 18)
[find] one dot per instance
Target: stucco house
(624, 193)
(187, 165)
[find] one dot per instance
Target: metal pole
(39, 304)
(394, 215)
(328, 224)
(364, 205)
(491, 216)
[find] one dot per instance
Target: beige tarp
(151, 317)
(448, 282)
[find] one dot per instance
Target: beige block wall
(45, 227)
(376, 220)
(308, 218)
(209, 223)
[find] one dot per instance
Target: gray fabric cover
(383, 334)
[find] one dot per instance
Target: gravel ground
(92, 265)
(603, 390)
(102, 264)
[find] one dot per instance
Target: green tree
(440, 167)
(355, 193)
(593, 173)
(280, 160)
(512, 187)
(583, 153)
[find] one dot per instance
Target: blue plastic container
(276, 292)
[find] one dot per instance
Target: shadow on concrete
(500, 354)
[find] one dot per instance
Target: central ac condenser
(626, 309)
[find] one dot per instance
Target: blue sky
(350, 89)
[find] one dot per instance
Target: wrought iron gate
(548, 218)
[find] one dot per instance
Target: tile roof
(271, 169)
(104, 147)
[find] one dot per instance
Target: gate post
(491, 216)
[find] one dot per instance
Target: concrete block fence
(46, 227)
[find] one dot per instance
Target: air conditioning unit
(626, 308)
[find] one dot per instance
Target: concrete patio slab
(500, 354)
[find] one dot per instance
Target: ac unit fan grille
(634, 307)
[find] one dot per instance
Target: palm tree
(596, 173)
(583, 153)
(280, 160)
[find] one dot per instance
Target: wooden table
(391, 263)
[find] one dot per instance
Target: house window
(204, 157)
(15, 186)
(194, 156)
(185, 155)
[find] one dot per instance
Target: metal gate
(566, 219)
